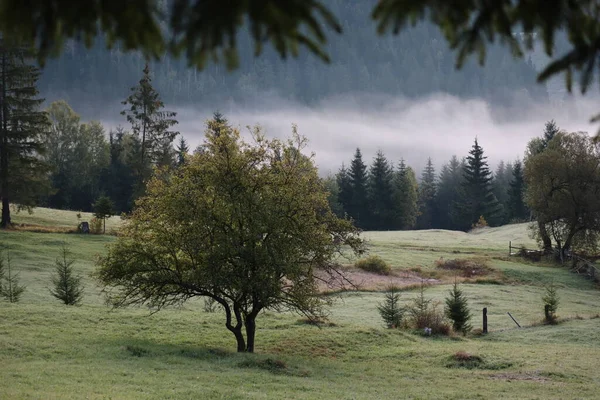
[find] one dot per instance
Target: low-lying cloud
(437, 126)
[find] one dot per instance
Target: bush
(550, 300)
(96, 226)
(67, 286)
(374, 264)
(481, 223)
(457, 310)
(424, 313)
(390, 310)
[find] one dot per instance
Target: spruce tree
(23, 128)
(9, 281)
(500, 186)
(103, 209)
(457, 310)
(550, 130)
(148, 119)
(344, 189)
(359, 204)
(449, 193)
(380, 193)
(478, 200)
(67, 286)
(406, 197)
(427, 188)
(182, 151)
(390, 310)
(516, 206)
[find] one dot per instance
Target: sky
(436, 126)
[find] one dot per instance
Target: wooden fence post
(485, 329)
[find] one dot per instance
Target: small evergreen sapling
(9, 283)
(390, 310)
(457, 310)
(550, 300)
(103, 209)
(67, 286)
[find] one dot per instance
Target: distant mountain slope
(417, 62)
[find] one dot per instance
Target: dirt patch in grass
(357, 279)
(466, 268)
(466, 360)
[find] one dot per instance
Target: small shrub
(9, 282)
(390, 310)
(550, 300)
(374, 264)
(457, 310)
(96, 226)
(66, 285)
(481, 223)
(424, 313)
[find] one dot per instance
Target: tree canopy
(245, 224)
(208, 30)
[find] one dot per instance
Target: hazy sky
(437, 126)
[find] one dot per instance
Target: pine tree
(406, 197)
(427, 188)
(380, 193)
(390, 310)
(449, 193)
(516, 206)
(23, 176)
(457, 310)
(359, 205)
(67, 286)
(9, 282)
(182, 151)
(478, 199)
(147, 117)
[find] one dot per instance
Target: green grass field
(51, 351)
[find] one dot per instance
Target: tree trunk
(546, 240)
(5, 222)
(4, 185)
(250, 333)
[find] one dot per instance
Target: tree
(500, 186)
(147, 118)
(449, 193)
(182, 151)
(562, 187)
(426, 216)
(9, 282)
(551, 300)
(517, 210)
(67, 286)
(457, 310)
(333, 192)
(406, 206)
(478, 199)
(247, 225)
(359, 206)
(103, 209)
(390, 310)
(344, 185)
(380, 193)
(22, 129)
(550, 130)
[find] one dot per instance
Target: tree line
(382, 196)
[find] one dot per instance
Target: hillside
(49, 350)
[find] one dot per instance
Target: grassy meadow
(51, 351)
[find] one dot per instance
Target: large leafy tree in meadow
(562, 189)
(23, 126)
(245, 224)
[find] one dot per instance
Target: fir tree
(478, 199)
(380, 193)
(427, 188)
(182, 151)
(9, 281)
(457, 310)
(147, 117)
(516, 206)
(359, 205)
(390, 310)
(406, 197)
(67, 286)
(344, 189)
(23, 176)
